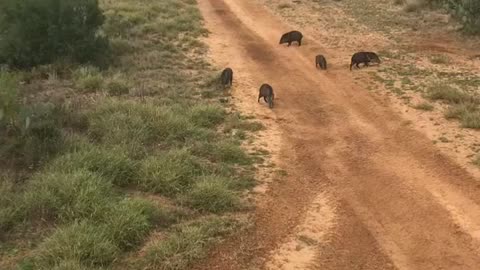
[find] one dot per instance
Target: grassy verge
(112, 159)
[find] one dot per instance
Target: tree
(34, 32)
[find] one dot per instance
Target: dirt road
(364, 190)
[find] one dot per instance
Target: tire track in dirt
(399, 203)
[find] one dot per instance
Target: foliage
(41, 31)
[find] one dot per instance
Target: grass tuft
(448, 94)
(186, 244)
(117, 87)
(88, 79)
(82, 242)
(213, 194)
(171, 172)
(112, 164)
(129, 221)
(207, 116)
(440, 59)
(68, 196)
(468, 114)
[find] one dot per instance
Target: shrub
(212, 194)
(68, 197)
(41, 31)
(80, 242)
(466, 10)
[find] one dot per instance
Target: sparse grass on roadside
(476, 161)
(448, 94)
(284, 6)
(440, 59)
(424, 106)
(468, 113)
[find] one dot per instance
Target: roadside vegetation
(125, 157)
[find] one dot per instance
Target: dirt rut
(397, 202)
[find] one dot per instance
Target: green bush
(42, 31)
(466, 10)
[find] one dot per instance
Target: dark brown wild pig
(291, 37)
(227, 77)
(358, 58)
(320, 61)
(266, 91)
(373, 57)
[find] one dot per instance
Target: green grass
(186, 244)
(88, 79)
(448, 94)
(10, 212)
(129, 221)
(83, 242)
(126, 153)
(440, 59)
(171, 172)
(117, 87)
(111, 163)
(67, 196)
(424, 106)
(468, 114)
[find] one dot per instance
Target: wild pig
(358, 58)
(266, 91)
(291, 37)
(320, 61)
(227, 77)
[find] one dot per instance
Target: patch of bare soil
(365, 187)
